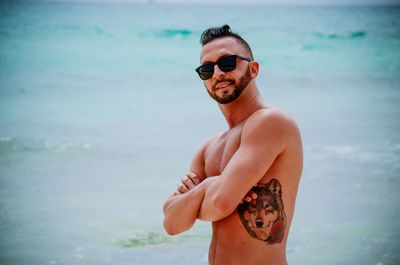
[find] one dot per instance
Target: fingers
(189, 182)
(194, 178)
(186, 181)
(247, 199)
(182, 189)
(251, 195)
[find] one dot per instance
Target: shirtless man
(243, 180)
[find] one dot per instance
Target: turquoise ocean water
(101, 112)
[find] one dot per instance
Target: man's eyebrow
(207, 62)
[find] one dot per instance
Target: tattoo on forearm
(264, 218)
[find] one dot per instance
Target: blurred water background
(101, 112)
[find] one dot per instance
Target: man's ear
(254, 67)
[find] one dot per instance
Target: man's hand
(187, 183)
(251, 195)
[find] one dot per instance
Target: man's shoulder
(271, 119)
(270, 127)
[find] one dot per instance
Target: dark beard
(239, 87)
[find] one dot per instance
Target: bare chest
(221, 150)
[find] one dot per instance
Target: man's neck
(239, 110)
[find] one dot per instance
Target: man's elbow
(173, 228)
(170, 229)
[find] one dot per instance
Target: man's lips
(222, 85)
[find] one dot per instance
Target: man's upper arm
(263, 138)
(198, 164)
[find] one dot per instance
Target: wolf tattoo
(264, 218)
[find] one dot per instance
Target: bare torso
(231, 242)
(244, 180)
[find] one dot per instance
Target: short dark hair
(211, 34)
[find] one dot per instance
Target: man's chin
(225, 95)
(224, 100)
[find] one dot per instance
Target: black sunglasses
(226, 64)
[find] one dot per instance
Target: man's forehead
(219, 47)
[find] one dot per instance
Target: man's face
(225, 87)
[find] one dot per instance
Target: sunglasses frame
(218, 62)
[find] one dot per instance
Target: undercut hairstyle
(220, 32)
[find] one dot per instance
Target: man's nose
(218, 73)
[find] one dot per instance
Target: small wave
(76, 30)
(365, 154)
(10, 145)
(341, 36)
(341, 150)
(98, 30)
(169, 33)
(311, 47)
(294, 249)
(141, 240)
(173, 33)
(60, 146)
(308, 47)
(5, 139)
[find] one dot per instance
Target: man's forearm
(180, 211)
(214, 206)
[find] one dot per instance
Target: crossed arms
(264, 137)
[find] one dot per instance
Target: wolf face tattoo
(264, 218)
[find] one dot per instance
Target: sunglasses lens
(206, 71)
(227, 64)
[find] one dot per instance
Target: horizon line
(182, 2)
